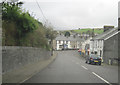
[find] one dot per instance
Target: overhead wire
(46, 21)
(41, 11)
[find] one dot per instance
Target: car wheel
(89, 62)
(99, 63)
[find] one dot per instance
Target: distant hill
(97, 30)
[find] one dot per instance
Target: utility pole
(92, 32)
(52, 47)
(63, 44)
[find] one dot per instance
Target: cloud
(69, 14)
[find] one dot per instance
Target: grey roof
(71, 38)
(105, 34)
(87, 46)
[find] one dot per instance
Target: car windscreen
(94, 56)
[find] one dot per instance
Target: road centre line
(101, 78)
(84, 67)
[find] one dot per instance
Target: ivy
(25, 22)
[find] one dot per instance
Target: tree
(88, 32)
(83, 34)
(67, 34)
(93, 32)
(74, 36)
(21, 29)
(12, 12)
(51, 34)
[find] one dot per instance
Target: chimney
(107, 27)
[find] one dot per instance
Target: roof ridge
(105, 33)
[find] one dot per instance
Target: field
(97, 31)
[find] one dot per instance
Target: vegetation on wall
(22, 29)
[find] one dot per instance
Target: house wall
(86, 42)
(91, 46)
(69, 46)
(72, 44)
(78, 44)
(97, 45)
(110, 49)
(57, 45)
(61, 43)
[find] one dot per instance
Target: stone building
(103, 42)
(110, 49)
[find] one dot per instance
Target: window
(60, 46)
(66, 42)
(59, 41)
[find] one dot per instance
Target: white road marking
(84, 67)
(101, 78)
(26, 79)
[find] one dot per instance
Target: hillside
(97, 31)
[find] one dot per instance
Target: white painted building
(63, 42)
(60, 44)
(96, 46)
(97, 43)
(84, 43)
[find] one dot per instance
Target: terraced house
(62, 42)
(106, 45)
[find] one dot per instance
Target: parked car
(93, 59)
(79, 50)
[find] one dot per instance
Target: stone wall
(14, 57)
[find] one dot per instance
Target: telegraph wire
(46, 21)
(41, 11)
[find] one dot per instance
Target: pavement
(70, 67)
(22, 74)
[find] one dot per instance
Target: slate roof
(71, 38)
(105, 34)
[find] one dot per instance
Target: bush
(21, 29)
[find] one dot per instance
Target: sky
(74, 14)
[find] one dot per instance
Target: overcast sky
(74, 14)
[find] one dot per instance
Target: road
(70, 67)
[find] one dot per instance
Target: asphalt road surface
(70, 67)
